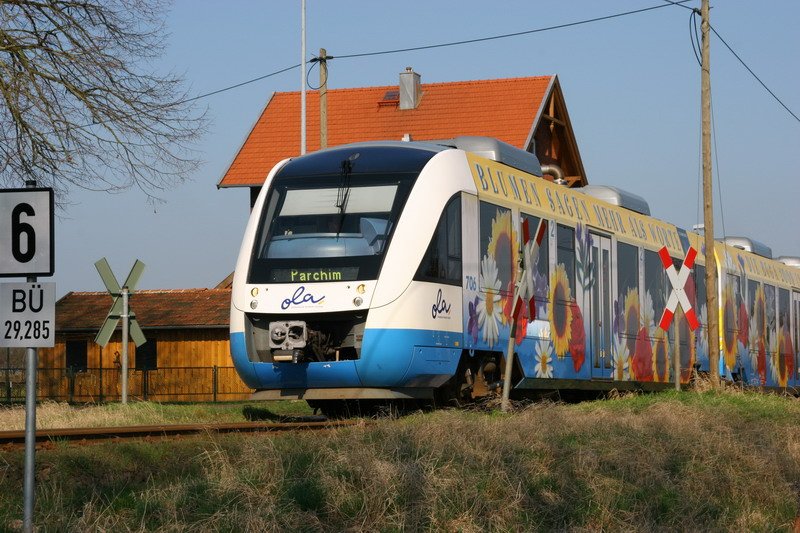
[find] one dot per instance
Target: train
(387, 271)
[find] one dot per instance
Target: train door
(796, 334)
(600, 306)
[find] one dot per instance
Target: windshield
(327, 228)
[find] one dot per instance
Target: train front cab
(362, 337)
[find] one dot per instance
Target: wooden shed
(186, 356)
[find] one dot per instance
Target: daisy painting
(544, 355)
(489, 307)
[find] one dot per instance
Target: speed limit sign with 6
(26, 232)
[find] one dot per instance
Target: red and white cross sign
(678, 295)
(530, 251)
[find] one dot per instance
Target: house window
(147, 355)
(77, 356)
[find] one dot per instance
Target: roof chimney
(410, 91)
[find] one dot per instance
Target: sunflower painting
(687, 347)
(631, 321)
(504, 248)
(758, 335)
(785, 357)
(560, 314)
(661, 362)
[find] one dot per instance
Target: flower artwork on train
(497, 278)
(544, 353)
(489, 308)
(729, 327)
(560, 314)
(504, 248)
(758, 334)
(785, 356)
(621, 364)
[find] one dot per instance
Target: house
(186, 356)
(528, 113)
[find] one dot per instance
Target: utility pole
(302, 77)
(708, 211)
(323, 99)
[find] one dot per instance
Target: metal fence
(184, 384)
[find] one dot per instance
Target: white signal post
(676, 297)
(27, 250)
(523, 296)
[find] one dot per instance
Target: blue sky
(631, 84)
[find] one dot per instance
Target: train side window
(756, 316)
(626, 308)
(565, 254)
(655, 283)
(541, 272)
(771, 342)
(498, 249)
(731, 304)
(442, 260)
(785, 350)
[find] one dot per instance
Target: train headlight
(254, 292)
(357, 301)
(253, 304)
(361, 289)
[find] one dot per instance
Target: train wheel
(458, 391)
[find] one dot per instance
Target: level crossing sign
(678, 280)
(530, 251)
(117, 307)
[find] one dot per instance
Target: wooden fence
(180, 384)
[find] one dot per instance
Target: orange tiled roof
(182, 308)
(503, 108)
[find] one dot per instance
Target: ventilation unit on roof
(749, 245)
(495, 150)
(618, 197)
(789, 260)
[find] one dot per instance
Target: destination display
(310, 275)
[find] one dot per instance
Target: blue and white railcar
(387, 271)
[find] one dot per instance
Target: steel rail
(167, 430)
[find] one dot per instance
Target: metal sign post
(120, 309)
(523, 296)
(27, 310)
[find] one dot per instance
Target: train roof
(365, 157)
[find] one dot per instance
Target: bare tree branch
(80, 105)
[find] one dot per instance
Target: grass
(671, 461)
(51, 415)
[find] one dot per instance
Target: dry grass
(50, 415)
(686, 462)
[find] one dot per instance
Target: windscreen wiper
(343, 194)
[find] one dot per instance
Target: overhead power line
(695, 38)
(754, 74)
(443, 45)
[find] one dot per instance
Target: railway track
(17, 437)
